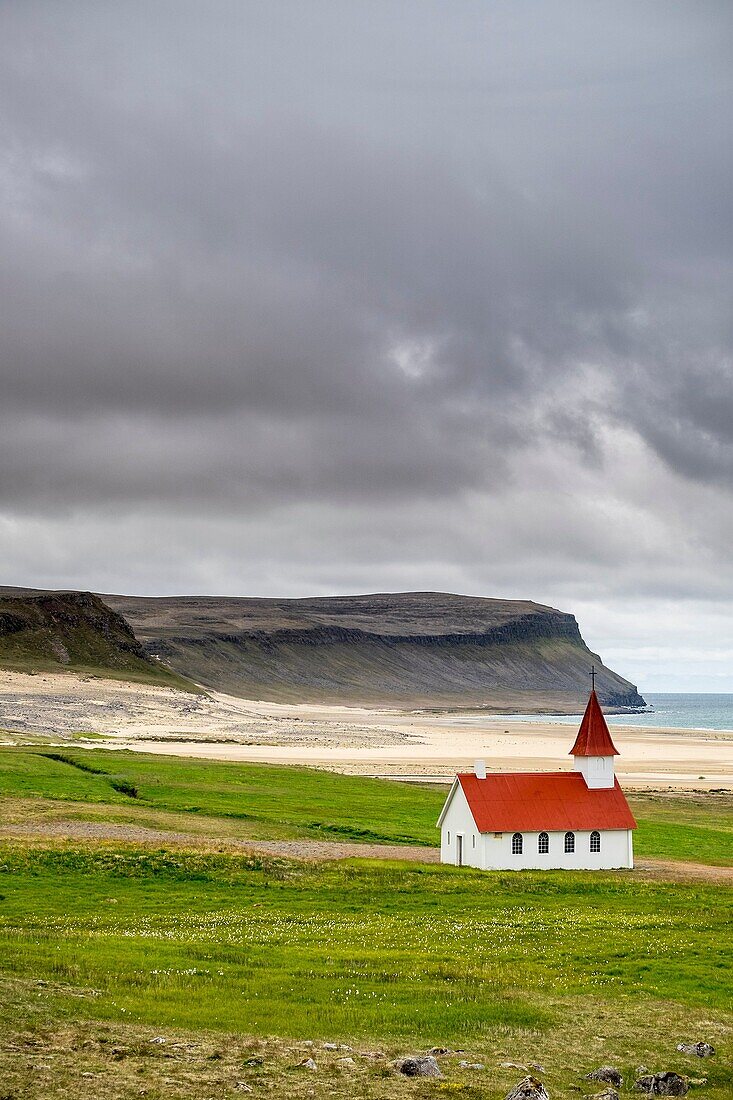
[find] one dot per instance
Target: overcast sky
(304, 298)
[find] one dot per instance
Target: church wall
(616, 851)
(458, 821)
(492, 852)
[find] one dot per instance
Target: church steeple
(594, 750)
(593, 737)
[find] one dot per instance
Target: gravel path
(668, 869)
(317, 850)
(293, 849)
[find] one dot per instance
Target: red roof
(531, 802)
(593, 737)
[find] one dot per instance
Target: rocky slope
(74, 630)
(416, 649)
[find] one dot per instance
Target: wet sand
(59, 707)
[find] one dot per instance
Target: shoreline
(60, 708)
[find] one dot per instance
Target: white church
(571, 820)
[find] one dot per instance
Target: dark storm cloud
(266, 257)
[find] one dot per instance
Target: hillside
(413, 649)
(76, 631)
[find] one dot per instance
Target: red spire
(593, 737)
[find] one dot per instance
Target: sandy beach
(58, 707)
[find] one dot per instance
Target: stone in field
(670, 1084)
(529, 1088)
(607, 1094)
(440, 1050)
(608, 1074)
(307, 1063)
(471, 1065)
(419, 1067)
(702, 1050)
(662, 1084)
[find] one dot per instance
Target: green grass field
(236, 957)
(402, 955)
(261, 800)
(266, 801)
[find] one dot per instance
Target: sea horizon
(703, 710)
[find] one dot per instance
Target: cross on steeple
(593, 677)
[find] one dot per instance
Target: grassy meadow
(238, 960)
(263, 801)
(259, 801)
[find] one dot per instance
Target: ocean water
(705, 711)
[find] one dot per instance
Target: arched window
(517, 844)
(595, 841)
(543, 844)
(570, 842)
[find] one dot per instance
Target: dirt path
(293, 849)
(671, 871)
(317, 850)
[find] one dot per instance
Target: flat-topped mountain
(415, 649)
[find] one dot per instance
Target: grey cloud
(370, 260)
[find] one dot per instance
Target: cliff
(46, 631)
(411, 649)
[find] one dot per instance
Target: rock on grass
(529, 1088)
(608, 1074)
(702, 1050)
(419, 1067)
(662, 1084)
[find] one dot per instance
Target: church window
(543, 845)
(449, 836)
(595, 841)
(474, 840)
(517, 844)
(570, 842)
